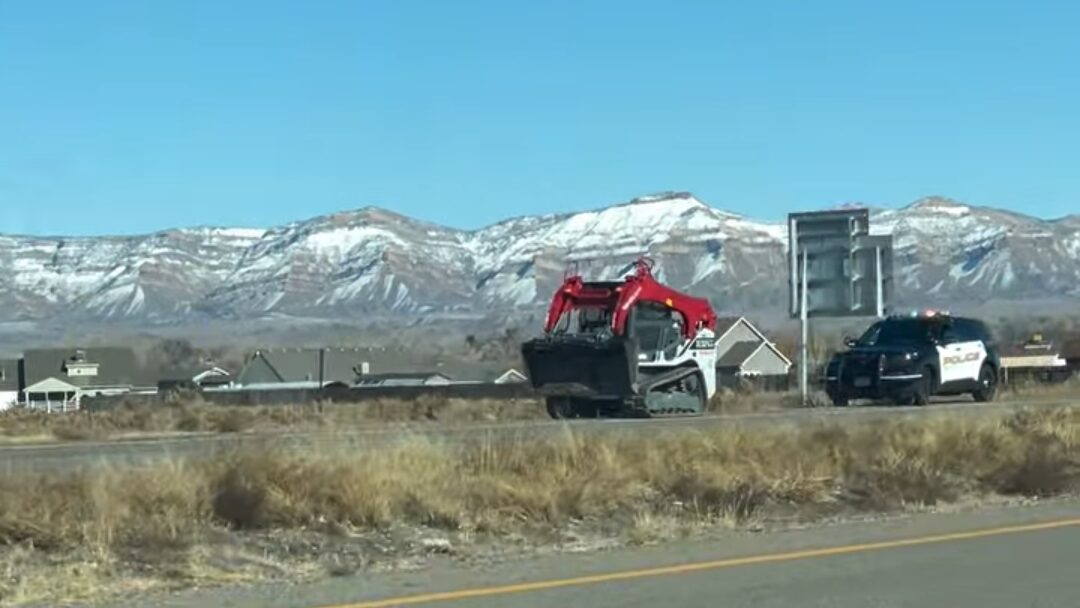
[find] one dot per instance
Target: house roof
(511, 375)
(9, 375)
(117, 366)
(1028, 350)
(724, 324)
(1036, 345)
(183, 371)
(213, 372)
(405, 376)
(52, 384)
(739, 353)
(302, 364)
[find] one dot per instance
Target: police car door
(961, 356)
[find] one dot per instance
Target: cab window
(584, 320)
(899, 331)
(656, 329)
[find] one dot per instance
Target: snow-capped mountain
(948, 251)
(697, 248)
(371, 259)
(375, 261)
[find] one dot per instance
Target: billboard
(848, 270)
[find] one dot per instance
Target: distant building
(58, 379)
(404, 379)
(1036, 359)
(205, 374)
(744, 353)
(1070, 351)
(9, 383)
(301, 368)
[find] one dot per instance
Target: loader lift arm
(620, 297)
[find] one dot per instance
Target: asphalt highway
(75, 455)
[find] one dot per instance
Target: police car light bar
(928, 313)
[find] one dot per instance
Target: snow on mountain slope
(960, 252)
(369, 259)
(693, 244)
(376, 261)
(155, 275)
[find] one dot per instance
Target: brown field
(288, 516)
(192, 415)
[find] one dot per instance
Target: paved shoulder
(1003, 557)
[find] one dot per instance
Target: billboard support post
(804, 348)
(879, 283)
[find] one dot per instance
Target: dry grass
(193, 415)
(639, 488)
(746, 400)
(1033, 389)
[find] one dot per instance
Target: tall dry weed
(499, 483)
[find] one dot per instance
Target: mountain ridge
(376, 260)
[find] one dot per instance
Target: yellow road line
(463, 594)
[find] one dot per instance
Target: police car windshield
(897, 331)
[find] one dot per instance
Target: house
(743, 352)
(301, 368)
(404, 379)
(58, 378)
(9, 383)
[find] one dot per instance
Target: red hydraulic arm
(620, 300)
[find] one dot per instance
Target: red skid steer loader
(630, 348)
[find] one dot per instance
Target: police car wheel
(987, 385)
(924, 387)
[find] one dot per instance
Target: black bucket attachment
(581, 366)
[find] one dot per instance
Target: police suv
(906, 359)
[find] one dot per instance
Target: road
(998, 558)
(74, 455)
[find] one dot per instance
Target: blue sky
(119, 117)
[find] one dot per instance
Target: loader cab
(656, 329)
(585, 320)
